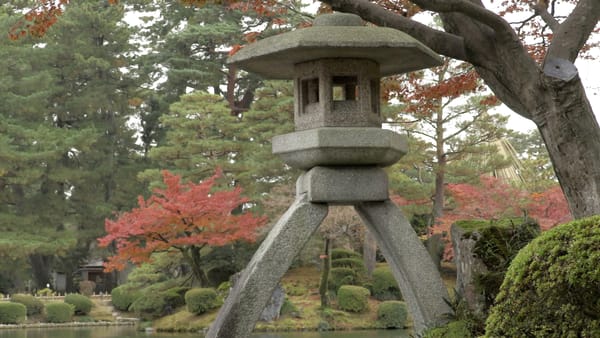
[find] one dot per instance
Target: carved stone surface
(344, 185)
(467, 267)
(340, 147)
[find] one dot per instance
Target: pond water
(130, 332)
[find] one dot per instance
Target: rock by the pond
(273, 308)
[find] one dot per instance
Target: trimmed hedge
(12, 313)
(341, 276)
(123, 296)
(34, 306)
(82, 304)
(385, 286)
(353, 298)
(149, 306)
(392, 314)
(200, 300)
(552, 287)
(343, 253)
(353, 263)
(59, 312)
(87, 287)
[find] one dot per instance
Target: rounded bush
(150, 305)
(353, 298)
(122, 297)
(385, 286)
(344, 253)
(341, 276)
(59, 312)
(392, 314)
(200, 300)
(12, 313)
(34, 306)
(552, 287)
(82, 304)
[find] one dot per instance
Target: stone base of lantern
(366, 189)
(343, 185)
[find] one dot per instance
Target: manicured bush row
(12, 313)
(343, 253)
(353, 298)
(34, 306)
(82, 304)
(353, 263)
(59, 312)
(392, 314)
(200, 300)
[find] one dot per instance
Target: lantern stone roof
(337, 35)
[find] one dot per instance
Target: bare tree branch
(472, 10)
(575, 30)
(441, 42)
(542, 11)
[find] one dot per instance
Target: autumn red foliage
(493, 199)
(178, 217)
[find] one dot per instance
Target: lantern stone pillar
(336, 66)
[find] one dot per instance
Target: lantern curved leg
(417, 276)
(250, 294)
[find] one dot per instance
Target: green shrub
(353, 263)
(343, 253)
(200, 300)
(385, 286)
(392, 314)
(59, 312)
(12, 313)
(174, 297)
(87, 287)
(46, 292)
(552, 287)
(455, 329)
(149, 306)
(288, 308)
(34, 306)
(123, 296)
(82, 304)
(295, 290)
(353, 298)
(341, 276)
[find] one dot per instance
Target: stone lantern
(336, 65)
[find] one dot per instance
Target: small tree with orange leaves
(184, 218)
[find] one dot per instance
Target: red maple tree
(493, 199)
(184, 218)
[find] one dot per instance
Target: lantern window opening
(345, 88)
(309, 93)
(375, 99)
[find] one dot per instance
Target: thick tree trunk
(40, 266)
(572, 136)
(551, 97)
